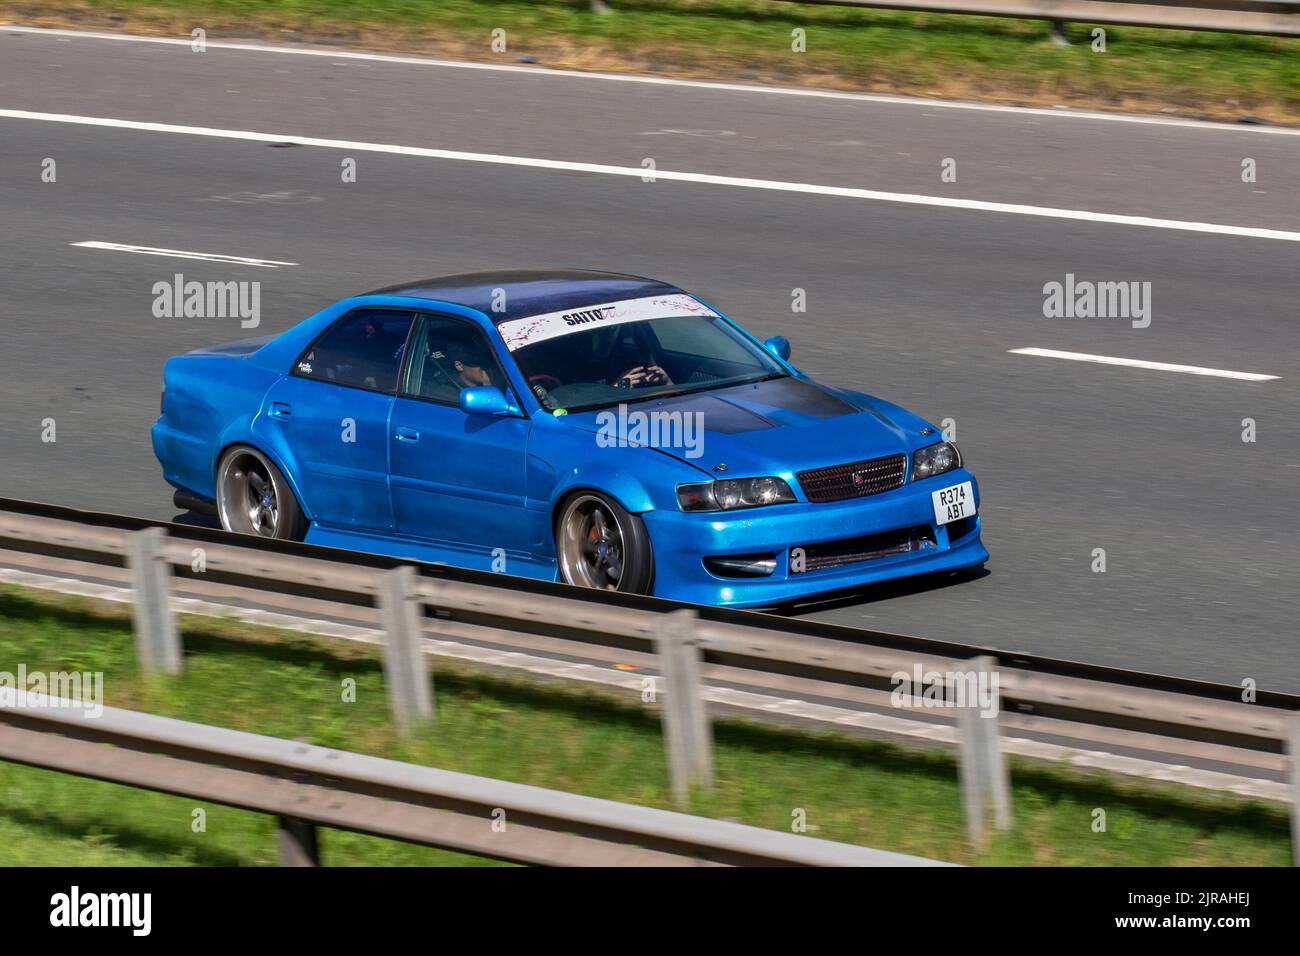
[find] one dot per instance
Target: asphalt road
(917, 304)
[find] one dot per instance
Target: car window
(448, 355)
(598, 365)
(364, 350)
(688, 335)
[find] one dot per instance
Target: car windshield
(632, 361)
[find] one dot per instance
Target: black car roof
(529, 292)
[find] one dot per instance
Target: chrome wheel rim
(248, 500)
(591, 544)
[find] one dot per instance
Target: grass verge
(1219, 75)
(290, 686)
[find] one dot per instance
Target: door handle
(408, 435)
(281, 410)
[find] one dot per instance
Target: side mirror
(485, 400)
(779, 346)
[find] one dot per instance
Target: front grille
(817, 557)
(854, 480)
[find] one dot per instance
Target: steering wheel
(546, 381)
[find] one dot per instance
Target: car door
(331, 415)
(457, 479)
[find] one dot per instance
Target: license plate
(953, 504)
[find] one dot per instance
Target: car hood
(768, 428)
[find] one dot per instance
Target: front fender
(562, 460)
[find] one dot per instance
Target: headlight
(733, 493)
(935, 460)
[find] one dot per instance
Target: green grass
(289, 686)
(989, 58)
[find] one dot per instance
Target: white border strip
(1139, 363)
(539, 328)
(842, 192)
(181, 254)
(537, 71)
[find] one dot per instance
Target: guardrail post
(157, 642)
(1293, 761)
(297, 842)
(687, 734)
(983, 767)
(971, 774)
(410, 686)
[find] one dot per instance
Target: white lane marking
(1139, 363)
(182, 254)
(844, 192)
(671, 81)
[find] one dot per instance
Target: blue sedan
(607, 431)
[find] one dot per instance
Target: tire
(598, 544)
(253, 497)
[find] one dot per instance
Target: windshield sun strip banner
(538, 328)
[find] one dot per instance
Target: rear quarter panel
(210, 402)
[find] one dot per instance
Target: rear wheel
(253, 497)
(600, 545)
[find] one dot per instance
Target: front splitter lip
(762, 592)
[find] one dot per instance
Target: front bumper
(683, 541)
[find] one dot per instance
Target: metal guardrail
(307, 786)
(839, 662)
(1226, 16)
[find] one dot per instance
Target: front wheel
(253, 497)
(600, 545)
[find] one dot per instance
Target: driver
(647, 373)
(472, 367)
(631, 365)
